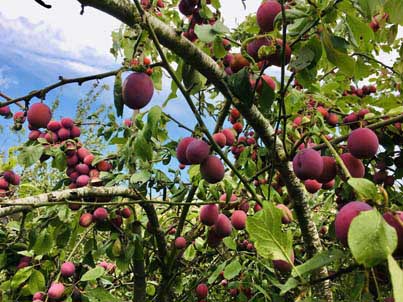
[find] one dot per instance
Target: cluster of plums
(57, 289)
(191, 9)
(8, 178)
(320, 171)
(360, 92)
(100, 215)
(191, 151)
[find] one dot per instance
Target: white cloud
(5, 80)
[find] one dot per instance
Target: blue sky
(38, 45)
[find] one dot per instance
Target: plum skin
(345, 216)
(363, 143)
(238, 219)
(266, 14)
(222, 226)
(354, 165)
(209, 214)
(181, 150)
(212, 169)
(308, 164)
(137, 90)
(39, 115)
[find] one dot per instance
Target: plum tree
(396, 221)
(137, 90)
(346, 215)
(104, 189)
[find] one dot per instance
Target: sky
(39, 45)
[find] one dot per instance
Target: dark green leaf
(240, 86)
(336, 55)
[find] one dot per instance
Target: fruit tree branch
(374, 126)
(62, 81)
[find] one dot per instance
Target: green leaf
(304, 58)
(117, 248)
(141, 176)
(289, 285)
(36, 282)
(396, 275)
(30, 155)
(205, 33)
(142, 147)
(395, 10)
(232, 270)
(190, 253)
(365, 188)
(153, 118)
(100, 294)
(240, 86)
(3, 260)
(371, 239)
(216, 273)
(230, 243)
(43, 243)
(265, 229)
(21, 276)
(336, 54)
(317, 261)
(218, 48)
(117, 94)
(266, 99)
(93, 274)
(360, 30)
(395, 111)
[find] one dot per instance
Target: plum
(39, 115)
(238, 219)
(308, 164)
(353, 164)
(222, 226)
(209, 214)
(345, 216)
(212, 169)
(181, 150)
(266, 14)
(197, 151)
(363, 143)
(137, 90)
